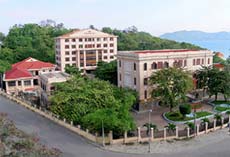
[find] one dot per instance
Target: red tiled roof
(218, 65)
(16, 73)
(31, 63)
(163, 51)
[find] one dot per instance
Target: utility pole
(103, 133)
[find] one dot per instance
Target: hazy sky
(154, 16)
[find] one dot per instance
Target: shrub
(147, 125)
(171, 127)
(204, 120)
(185, 109)
(190, 125)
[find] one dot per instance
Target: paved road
(73, 145)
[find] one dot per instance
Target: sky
(153, 16)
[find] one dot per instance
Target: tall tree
(170, 86)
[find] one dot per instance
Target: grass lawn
(221, 109)
(176, 116)
(218, 102)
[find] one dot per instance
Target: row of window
(89, 39)
(67, 59)
(82, 52)
(89, 46)
(200, 61)
(25, 82)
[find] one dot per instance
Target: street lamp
(150, 111)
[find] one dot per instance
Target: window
(73, 64)
(11, 83)
(105, 39)
(73, 40)
(74, 59)
(35, 82)
(73, 52)
(120, 77)
(105, 57)
(111, 51)
(73, 46)
(105, 45)
(80, 46)
(19, 83)
(98, 45)
(208, 60)
(111, 57)
(134, 66)
(105, 51)
(80, 39)
(134, 81)
(66, 52)
(202, 60)
(185, 63)
(66, 59)
(119, 63)
(36, 72)
(67, 46)
(160, 65)
(198, 62)
(66, 40)
(145, 94)
(154, 65)
(145, 81)
(111, 45)
(27, 83)
(180, 63)
(194, 62)
(81, 64)
(98, 39)
(145, 66)
(166, 64)
(111, 39)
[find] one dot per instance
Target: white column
(152, 134)
(138, 134)
(197, 129)
(165, 129)
(214, 126)
(188, 132)
(177, 132)
(206, 127)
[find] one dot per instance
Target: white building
(84, 48)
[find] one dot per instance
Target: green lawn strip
(221, 102)
(221, 109)
(177, 117)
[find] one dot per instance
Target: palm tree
(170, 86)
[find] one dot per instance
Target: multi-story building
(84, 48)
(24, 75)
(135, 67)
(47, 81)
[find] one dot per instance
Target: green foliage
(72, 70)
(170, 86)
(217, 59)
(185, 109)
(81, 100)
(107, 71)
(205, 120)
(218, 117)
(33, 40)
(221, 109)
(171, 127)
(149, 126)
(132, 39)
(190, 125)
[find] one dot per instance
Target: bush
(190, 125)
(185, 109)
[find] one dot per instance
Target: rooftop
(165, 50)
(85, 33)
(56, 76)
(16, 73)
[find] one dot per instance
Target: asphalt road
(73, 145)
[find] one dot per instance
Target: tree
(185, 109)
(170, 86)
(72, 70)
(107, 71)
(2, 37)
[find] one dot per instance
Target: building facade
(135, 67)
(24, 75)
(84, 48)
(47, 81)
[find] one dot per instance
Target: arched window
(134, 66)
(119, 63)
(145, 66)
(154, 65)
(166, 64)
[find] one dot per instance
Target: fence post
(87, 130)
(188, 132)
(206, 127)
(79, 126)
(152, 134)
(214, 125)
(64, 120)
(165, 129)
(197, 129)
(125, 136)
(71, 122)
(177, 132)
(111, 137)
(139, 134)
